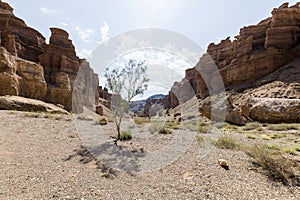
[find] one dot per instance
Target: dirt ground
(38, 160)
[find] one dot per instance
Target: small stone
(223, 163)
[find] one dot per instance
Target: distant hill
(157, 96)
(138, 106)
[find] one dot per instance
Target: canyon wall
(257, 51)
(34, 69)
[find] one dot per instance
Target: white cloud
(85, 34)
(84, 53)
(104, 31)
(63, 24)
(47, 10)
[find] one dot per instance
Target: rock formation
(25, 104)
(52, 80)
(256, 52)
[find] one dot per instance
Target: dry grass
(226, 142)
(165, 131)
(283, 127)
(203, 127)
(276, 166)
(172, 125)
(101, 121)
(199, 139)
(141, 120)
(251, 126)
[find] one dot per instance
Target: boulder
(26, 104)
(273, 110)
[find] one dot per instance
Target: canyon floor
(42, 156)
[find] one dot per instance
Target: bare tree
(125, 83)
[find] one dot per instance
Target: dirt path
(34, 165)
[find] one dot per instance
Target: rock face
(21, 77)
(19, 39)
(61, 66)
(273, 110)
(52, 80)
(236, 65)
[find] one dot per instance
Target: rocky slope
(248, 64)
(31, 68)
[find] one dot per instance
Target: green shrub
(291, 150)
(125, 135)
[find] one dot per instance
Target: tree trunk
(119, 135)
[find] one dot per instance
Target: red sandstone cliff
(31, 68)
(257, 51)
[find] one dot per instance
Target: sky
(92, 22)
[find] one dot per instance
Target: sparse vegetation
(226, 142)
(101, 121)
(125, 135)
(265, 137)
(283, 127)
(155, 126)
(291, 149)
(274, 163)
(125, 82)
(165, 130)
(199, 138)
(278, 135)
(251, 126)
(203, 127)
(172, 125)
(141, 120)
(253, 137)
(44, 115)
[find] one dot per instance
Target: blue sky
(90, 21)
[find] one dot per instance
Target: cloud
(63, 24)
(47, 10)
(104, 31)
(84, 53)
(85, 34)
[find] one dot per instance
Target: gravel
(38, 161)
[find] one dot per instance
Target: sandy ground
(38, 161)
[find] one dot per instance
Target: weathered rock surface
(19, 39)
(236, 65)
(53, 79)
(26, 104)
(21, 77)
(273, 110)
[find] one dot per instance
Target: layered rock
(21, 77)
(53, 79)
(236, 65)
(19, 39)
(61, 66)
